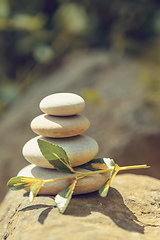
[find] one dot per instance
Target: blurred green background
(35, 36)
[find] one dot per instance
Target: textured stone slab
(80, 149)
(59, 127)
(130, 211)
(85, 185)
(62, 104)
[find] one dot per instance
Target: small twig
(80, 175)
(134, 167)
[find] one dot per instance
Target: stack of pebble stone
(62, 125)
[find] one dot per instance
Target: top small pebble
(62, 104)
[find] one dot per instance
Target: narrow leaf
(35, 187)
(18, 183)
(98, 164)
(105, 187)
(63, 198)
(56, 156)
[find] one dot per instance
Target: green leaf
(63, 198)
(105, 187)
(35, 187)
(18, 183)
(56, 156)
(98, 164)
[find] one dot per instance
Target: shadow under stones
(82, 205)
(112, 206)
(44, 214)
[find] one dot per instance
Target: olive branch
(58, 158)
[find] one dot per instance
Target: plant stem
(85, 174)
(82, 174)
(134, 167)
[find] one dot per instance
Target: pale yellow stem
(134, 167)
(80, 175)
(85, 174)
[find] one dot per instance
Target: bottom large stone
(84, 185)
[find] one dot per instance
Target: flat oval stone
(80, 149)
(59, 127)
(62, 104)
(85, 185)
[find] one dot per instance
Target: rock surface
(130, 211)
(59, 127)
(80, 149)
(85, 185)
(62, 104)
(125, 126)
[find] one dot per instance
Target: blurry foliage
(91, 96)
(35, 35)
(153, 88)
